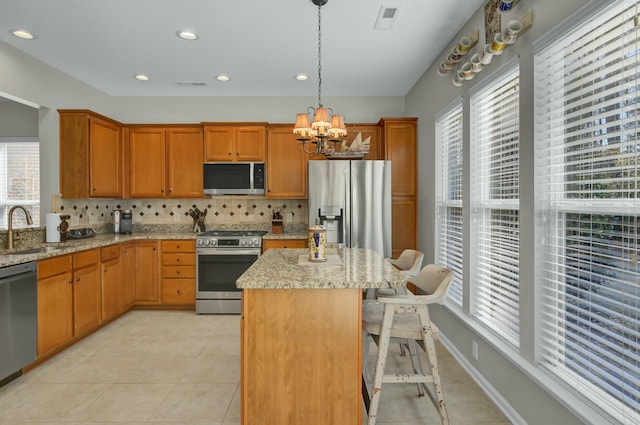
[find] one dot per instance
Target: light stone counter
(9, 258)
(345, 268)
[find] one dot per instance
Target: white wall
(18, 120)
(512, 374)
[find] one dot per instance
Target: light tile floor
(178, 368)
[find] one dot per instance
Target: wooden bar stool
(407, 318)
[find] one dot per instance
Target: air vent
(191, 83)
(386, 17)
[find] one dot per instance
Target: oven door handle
(225, 251)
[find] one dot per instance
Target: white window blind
(495, 229)
(587, 167)
(449, 237)
(19, 179)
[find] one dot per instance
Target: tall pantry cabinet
(400, 145)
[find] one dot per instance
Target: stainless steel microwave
(234, 178)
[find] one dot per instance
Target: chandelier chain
(319, 54)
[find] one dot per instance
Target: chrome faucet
(10, 236)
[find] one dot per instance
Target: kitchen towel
(52, 221)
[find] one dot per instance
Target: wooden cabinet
(371, 131)
(178, 272)
(55, 303)
(283, 243)
(234, 142)
(286, 164)
(146, 272)
(165, 161)
(86, 291)
(128, 265)
(400, 145)
(90, 155)
(111, 278)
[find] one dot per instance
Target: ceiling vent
(386, 17)
(191, 83)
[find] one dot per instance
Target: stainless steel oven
(222, 256)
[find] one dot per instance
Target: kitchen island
(301, 335)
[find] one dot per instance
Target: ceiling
(261, 45)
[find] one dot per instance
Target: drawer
(178, 259)
(53, 266)
(179, 246)
(178, 291)
(110, 252)
(86, 258)
(173, 272)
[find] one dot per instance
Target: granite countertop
(345, 268)
(9, 258)
(286, 235)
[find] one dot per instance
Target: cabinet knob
(179, 292)
(170, 190)
(178, 272)
(94, 189)
(78, 280)
(162, 190)
(178, 259)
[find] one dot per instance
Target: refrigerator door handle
(348, 212)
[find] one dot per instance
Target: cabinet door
(86, 299)
(147, 162)
(111, 289)
(218, 144)
(128, 263)
(371, 131)
(105, 169)
(146, 278)
(286, 164)
(55, 312)
(185, 149)
(401, 149)
(249, 144)
(403, 225)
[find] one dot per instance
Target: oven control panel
(204, 242)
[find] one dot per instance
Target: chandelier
(326, 127)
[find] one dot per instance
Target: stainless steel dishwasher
(18, 318)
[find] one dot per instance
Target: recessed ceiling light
(187, 35)
(302, 77)
(23, 34)
(222, 78)
(142, 77)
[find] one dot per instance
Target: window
(587, 164)
(19, 179)
(495, 230)
(448, 249)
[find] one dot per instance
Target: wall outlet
(474, 350)
(289, 217)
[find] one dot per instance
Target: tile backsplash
(234, 210)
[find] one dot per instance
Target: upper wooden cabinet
(90, 155)
(164, 161)
(401, 147)
(227, 142)
(367, 130)
(286, 164)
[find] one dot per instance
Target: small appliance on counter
(122, 222)
(85, 232)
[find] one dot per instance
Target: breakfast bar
(301, 335)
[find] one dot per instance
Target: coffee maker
(122, 222)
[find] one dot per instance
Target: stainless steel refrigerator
(352, 199)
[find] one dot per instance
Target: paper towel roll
(52, 221)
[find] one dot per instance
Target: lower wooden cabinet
(404, 225)
(283, 243)
(146, 272)
(178, 272)
(112, 299)
(55, 303)
(86, 291)
(128, 266)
